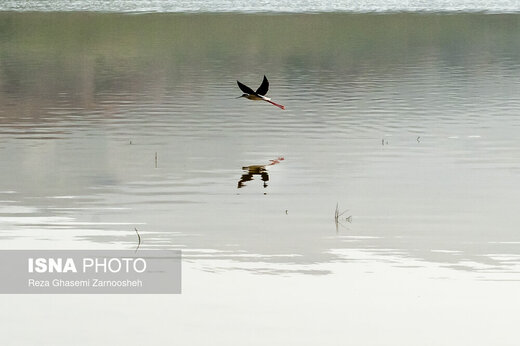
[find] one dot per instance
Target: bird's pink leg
(276, 104)
(274, 162)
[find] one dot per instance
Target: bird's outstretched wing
(263, 88)
(245, 88)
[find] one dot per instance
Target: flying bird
(259, 94)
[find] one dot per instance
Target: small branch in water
(338, 214)
(155, 159)
(138, 239)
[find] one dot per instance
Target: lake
(408, 121)
(262, 6)
(405, 123)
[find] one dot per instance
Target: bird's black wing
(245, 88)
(262, 89)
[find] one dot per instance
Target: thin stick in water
(138, 239)
(338, 214)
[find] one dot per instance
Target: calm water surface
(113, 122)
(292, 6)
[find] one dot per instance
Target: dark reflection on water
(86, 100)
(258, 170)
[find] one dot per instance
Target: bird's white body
(257, 97)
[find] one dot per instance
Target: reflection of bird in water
(259, 94)
(251, 171)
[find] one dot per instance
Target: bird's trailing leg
(276, 104)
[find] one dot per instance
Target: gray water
(111, 122)
(288, 6)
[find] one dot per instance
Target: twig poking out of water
(337, 216)
(155, 159)
(138, 239)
